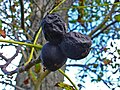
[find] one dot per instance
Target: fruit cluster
(61, 45)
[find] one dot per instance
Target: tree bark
(39, 10)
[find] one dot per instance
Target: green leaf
(64, 86)
(73, 21)
(1, 1)
(98, 2)
(95, 65)
(118, 51)
(0, 24)
(37, 68)
(117, 18)
(97, 17)
(99, 78)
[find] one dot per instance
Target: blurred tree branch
(17, 87)
(103, 29)
(22, 14)
(108, 16)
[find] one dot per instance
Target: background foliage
(98, 19)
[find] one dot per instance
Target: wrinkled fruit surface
(76, 45)
(53, 28)
(52, 57)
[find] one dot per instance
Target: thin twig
(68, 78)
(25, 68)
(101, 77)
(11, 10)
(76, 65)
(37, 5)
(104, 21)
(102, 30)
(3, 67)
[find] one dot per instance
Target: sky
(8, 52)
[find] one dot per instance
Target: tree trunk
(39, 10)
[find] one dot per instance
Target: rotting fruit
(76, 45)
(53, 27)
(52, 57)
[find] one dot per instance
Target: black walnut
(52, 57)
(75, 45)
(53, 27)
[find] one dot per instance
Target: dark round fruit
(76, 45)
(53, 28)
(52, 57)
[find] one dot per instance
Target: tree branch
(104, 21)
(103, 29)
(8, 61)
(22, 14)
(37, 5)
(23, 68)
(76, 65)
(21, 43)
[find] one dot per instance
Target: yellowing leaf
(64, 86)
(107, 61)
(2, 33)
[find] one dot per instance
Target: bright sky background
(8, 52)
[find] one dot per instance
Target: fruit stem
(57, 6)
(21, 43)
(32, 51)
(62, 72)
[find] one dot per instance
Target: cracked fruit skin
(53, 27)
(75, 45)
(52, 57)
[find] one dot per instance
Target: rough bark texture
(38, 13)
